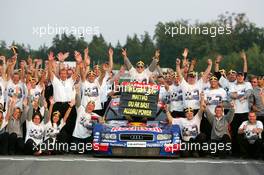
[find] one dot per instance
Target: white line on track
(118, 160)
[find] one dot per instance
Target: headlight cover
(109, 136)
(164, 136)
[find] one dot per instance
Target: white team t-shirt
(214, 97)
(241, 106)
(139, 77)
(3, 125)
(35, 132)
(176, 98)
(226, 84)
(36, 92)
(249, 134)
(62, 90)
(83, 126)
(2, 90)
(91, 92)
(191, 93)
(104, 88)
(189, 128)
(51, 131)
(11, 89)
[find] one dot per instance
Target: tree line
(245, 35)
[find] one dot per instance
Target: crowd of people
(58, 103)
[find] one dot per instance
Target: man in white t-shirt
(82, 133)
(90, 91)
(190, 126)
(215, 95)
(240, 93)
(176, 98)
(249, 138)
(16, 87)
(140, 74)
(192, 88)
(63, 88)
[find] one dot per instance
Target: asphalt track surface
(88, 165)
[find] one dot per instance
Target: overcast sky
(115, 19)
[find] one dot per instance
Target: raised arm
(208, 70)
(193, 64)
(244, 58)
(231, 113)
(126, 60)
(52, 102)
(202, 105)
(46, 113)
(78, 96)
(178, 68)
(72, 103)
(111, 58)
(168, 114)
(155, 61)
(210, 116)
(50, 66)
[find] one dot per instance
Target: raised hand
(78, 56)
(243, 55)
(87, 59)
(86, 51)
(218, 59)
(51, 56)
(185, 53)
(51, 100)
(157, 54)
(209, 62)
(178, 61)
(110, 52)
(124, 52)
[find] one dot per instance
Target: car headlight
(109, 136)
(164, 136)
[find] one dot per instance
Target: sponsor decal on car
(154, 129)
(136, 144)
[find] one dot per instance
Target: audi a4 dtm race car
(135, 125)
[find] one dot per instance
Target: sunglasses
(213, 79)
(140, 67)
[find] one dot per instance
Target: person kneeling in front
(82, 134)
(220, 124)
(190, 128)
(249, 137)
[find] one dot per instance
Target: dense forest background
(245, 36)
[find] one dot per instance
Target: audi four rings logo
(136, 137)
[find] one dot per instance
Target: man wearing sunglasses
(140, 74)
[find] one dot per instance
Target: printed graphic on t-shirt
(85, 122)
(36, 133)
(91, 92)
(176, 96)
(191, 130)
(192, 95)
(214, 100)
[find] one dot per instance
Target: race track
(77, 165)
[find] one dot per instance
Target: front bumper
(167, 150)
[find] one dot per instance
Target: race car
(122, 136)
